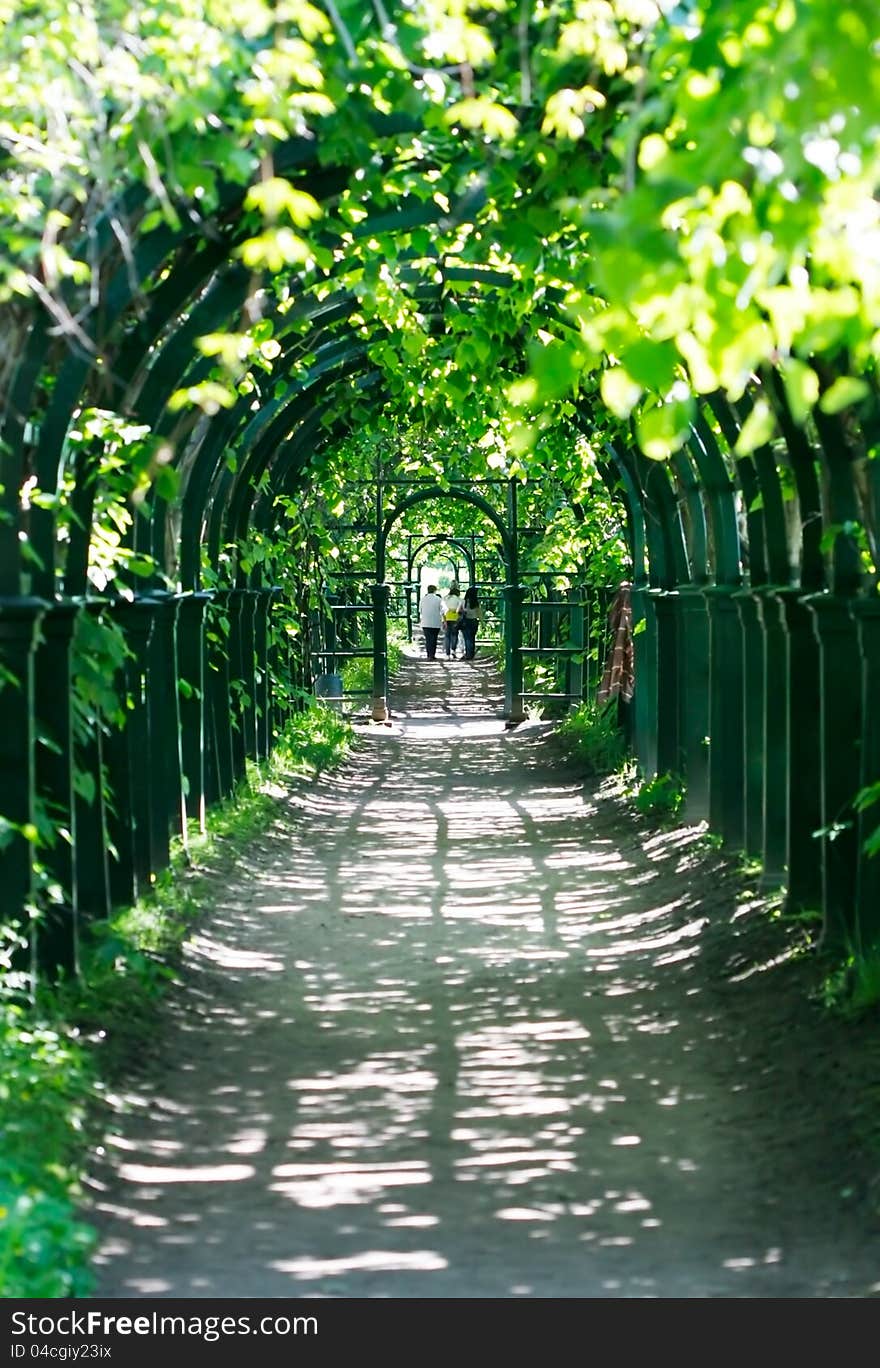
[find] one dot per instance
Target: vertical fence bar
(54, 761)
(803, 752)
(840, 699)
(867, 914)
(91, 855)
(726, 706)
(774, 836)
(19, 624)
(693, 718)
(128, 758)
(191, 675)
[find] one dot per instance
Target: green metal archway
(512, 590)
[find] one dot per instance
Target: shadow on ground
(458, 1025)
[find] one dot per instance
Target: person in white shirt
(431, 619)
(451, 605)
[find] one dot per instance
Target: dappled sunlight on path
(454, 1027)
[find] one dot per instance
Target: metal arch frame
(151, 251)
(469, 555)
(451, 540)
(512, 591)
(827, 618)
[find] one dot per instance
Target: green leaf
(274, 249)
(276, 196)
(478, 112)
(210, 396)
(757, 430)
(167, 483)
(662, 430)
(619, 391)
(842, 393)
(655, 365)
(84, 785)
(566, 110)
(801, 388)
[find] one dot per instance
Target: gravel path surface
(459, 1025)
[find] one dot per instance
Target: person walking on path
(431, 619)
(451, 607)
(470, 618)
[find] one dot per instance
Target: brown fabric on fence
(619, 677)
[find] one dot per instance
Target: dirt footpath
(458, 1025)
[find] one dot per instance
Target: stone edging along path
(458, 1025)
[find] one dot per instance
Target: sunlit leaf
(757, 429)
(663, 429)
(842, 393)
(619, 391)
(484, 114)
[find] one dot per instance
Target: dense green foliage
(663, 199)
(660, 797)
(678, 195)
(45, 1085)
(593, 735)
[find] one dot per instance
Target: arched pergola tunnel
(512, 591)
(752, 615)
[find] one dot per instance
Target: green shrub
(313, 741)
(660, 798)
(44, 1249)
(46, 1082)
(357, 674)
(592, 735)
(852, 988)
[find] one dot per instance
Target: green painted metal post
(128, 761)
(220, 779)
(669, 757)
(57, 932)
(380, 594)
(577, 638)
(774, 843)
(262, 680)
(693, 718)
(753, 722)
(411, 598)
(249, 671)
(121, 835)
(331, 636)
(803, 751)
(840, 715)
(191, 673)
(867, 917)
(645, 671)
(91, 857)
(279, 671)
(237, 676)
(726, 763)
(19, 624)
(513, 596)
(161, 758)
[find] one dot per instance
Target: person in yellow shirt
(451, 604)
